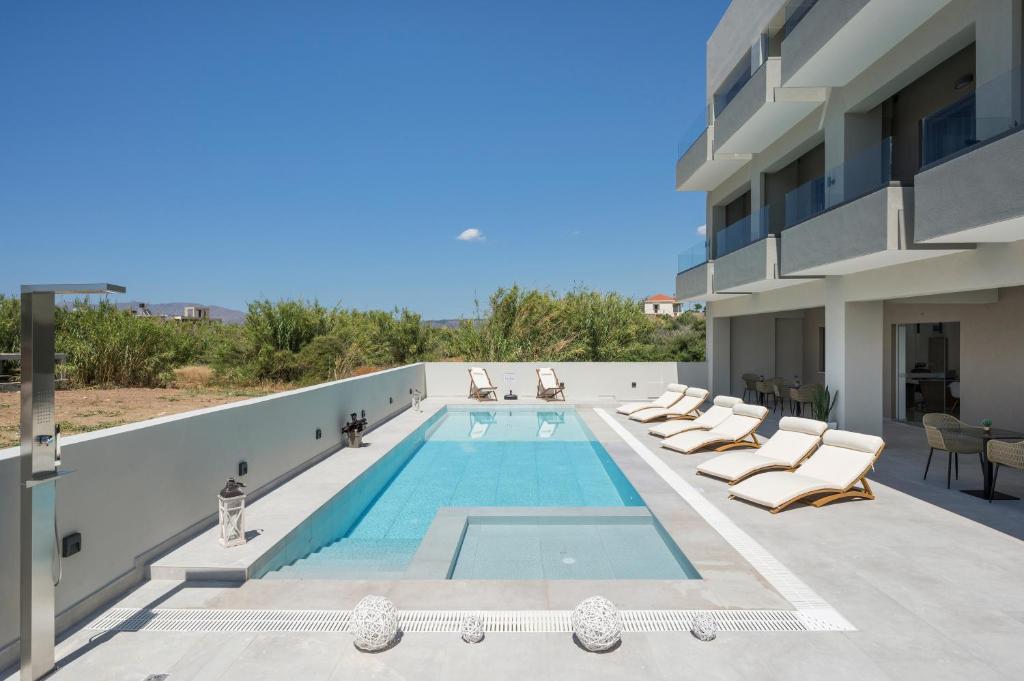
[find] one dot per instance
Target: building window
(821, 349)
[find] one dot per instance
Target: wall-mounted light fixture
(963, 81)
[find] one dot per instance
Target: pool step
(352, 558)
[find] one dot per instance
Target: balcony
(832, 41)
(969, 189)
(851, 219)
(762, 111)
(700, 170)
(747, 257)
(694, 276)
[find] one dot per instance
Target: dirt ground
(80, 411)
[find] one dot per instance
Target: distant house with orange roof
(661, 304)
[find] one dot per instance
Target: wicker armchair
(798, 397)
(951, 435)
(765, 389)
(1005, 454)
(779, 392)
(750, 385)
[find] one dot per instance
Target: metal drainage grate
(437, 621)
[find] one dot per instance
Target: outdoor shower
(40, 469)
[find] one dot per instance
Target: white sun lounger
(686, 408)
(480, 386)
(834, 470)
(795, 439)
(720, 410)
(735, 431)
(673, 393)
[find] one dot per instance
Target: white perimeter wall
(140, 488)
(583, 380)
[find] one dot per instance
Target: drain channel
(435, 621)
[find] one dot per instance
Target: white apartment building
(864, 174)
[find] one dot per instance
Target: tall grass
(305, 342)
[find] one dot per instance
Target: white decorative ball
(374, 623)
(704, 627)
(472, 629)
(596, 623)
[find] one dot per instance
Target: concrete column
(853, 359)
(757, 191)
(718, 353)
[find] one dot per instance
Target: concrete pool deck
(929, 577)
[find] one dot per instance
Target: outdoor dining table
(987, 436)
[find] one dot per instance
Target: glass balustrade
(993, 109)
(743, 232)
(692, 257)
(861, 174)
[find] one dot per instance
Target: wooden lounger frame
(482, 393)
(550, 394)
(831, 495)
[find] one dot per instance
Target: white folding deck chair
(548, 385)
(737, 430)
(480, 386)
(721, 409)
(831, 473)
(673, 393)
(793, 442)
(686, 408)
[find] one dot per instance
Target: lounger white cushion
(837, 465)
(673, 393)
(744, 420)
(794, 440)
(692, 399)
(720, 410)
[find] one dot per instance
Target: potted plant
(822, 405)
(987, 425)
(354, 429)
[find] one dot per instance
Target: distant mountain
(225, 314)
(443, 323)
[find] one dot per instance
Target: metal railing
(991, 110)
(866, 172)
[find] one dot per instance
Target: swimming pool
(481, 458)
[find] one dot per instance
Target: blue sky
(220, 152)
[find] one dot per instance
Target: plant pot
(355, 439)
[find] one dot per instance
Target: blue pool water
(470, 457)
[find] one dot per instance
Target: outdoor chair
(480, 385)
(750, 385)
(720, 410)
(765, 390)
(951, 435)
(548, 385)
(738, 430)
(1004, 454)
(673, 393)
(832, 472)
(686, 408)
(798, 397)
(793, 442)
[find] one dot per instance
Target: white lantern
(231, 513)
(472, 629)
(704, 627)
(374, 623)
(597, 625)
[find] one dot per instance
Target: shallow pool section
(472, 457)
(569, 548)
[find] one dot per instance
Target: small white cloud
(575, 232)
(471, 234)
(702, 230)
